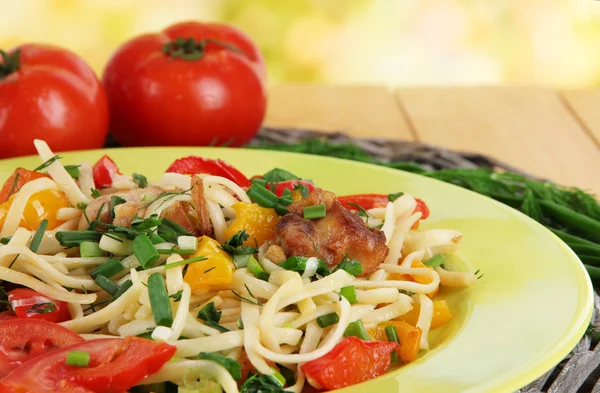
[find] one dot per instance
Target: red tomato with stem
(194, 165)
(24, 339)
(49, 93)
(191, 84)
(27, 303)
(350, 362)
(115, 365)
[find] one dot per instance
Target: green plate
(528, 311)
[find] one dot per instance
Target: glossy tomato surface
(192, 84)
(49, 93)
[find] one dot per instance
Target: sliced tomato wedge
(194, 165)
(115, 365)
(24, 339)
(370, 201)
(104, 170)
(350, 362)
(27, 303)
(22, 176)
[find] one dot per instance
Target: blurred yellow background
(393, 42)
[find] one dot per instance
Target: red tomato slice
(11, 186)
(27, 303)
(7, 315)
(422, 207)
(24, 339)
(281, 186)
(104, 170)
(366, 201)
(193, 165)
(115, 365)
(350, 362)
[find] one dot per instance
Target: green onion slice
(356, 329)
(349, 293)
(39, 235)
(107, 269)
(392, 335)
(89, 249)
(144, 251)
(78, 358)
(316, 211)
(328, 320)
(106, 284)
(159, 301)
(435, 261)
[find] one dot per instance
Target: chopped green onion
(174, 250)
(349, 293)
(232, 366)
(277, 175)
(328, 320)
(123, 288)
(240, 323)
(298, 264)
(351, 266)
(108, 268)
(170, 231)
(316, 211)
(106, 284)
(185, 262)
(144, 251)
(277, 375)
(5, 240)
(114, 244)
(155, 239)
(356, 329)
(256, 269)
(140, 180)
(210, 313)
(142, 224)
(39, 235)
(392, 336)
(263, 197)
(290, 377)
(89, 249)
(187, 242)
(95, 192)
(78, 358)
(73, 171)
(159, 301)
(114, 202)
(74, 238)
(304, 191)
(216, 326)
(394, 196)
(177, 295)
(435, 261)
(46, 164)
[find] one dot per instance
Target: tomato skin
(193, 165)
(115, 366)
(350, 362)
(22, 300)
(422, 207)
(103, 171)
(57, 96)
(24, 176)
(290, 184)
(37, 336)
(158, 99)
(366, 201)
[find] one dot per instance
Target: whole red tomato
(191, 84)
(49, 93)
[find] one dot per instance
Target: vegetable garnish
(211, 317)
(349, 293)
(106, 284)
(235, 247)
(47, 163)
(232, 366)
(177, 295)
(255, 268)
(159, 301)
(328, 319)
(277, 175)
(316, 211)
(394, 196)
(392, 335)
(170, 231)
(304, 191)
(351, 266)
(185, 262)
(256, 301)
(298, 264)
(122, 289)
(89, 249)
(73, 171)
(107, 269)
(144, 251)
(39, 235)
(435, 261)
(114, 202)
(42, 308)
(357, 329)
(74, 238)
(78, 358)
(262, 384)
(265, 198)
(140, 180)
(95, 193)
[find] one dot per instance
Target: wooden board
(359, 111)
(527, 127)
(585, 106)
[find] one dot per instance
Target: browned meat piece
(275, 254)
(316, 197)
(204, 225)
(183, 214)
(134, 195)
(339, 233)
(125, 213)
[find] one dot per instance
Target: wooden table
(555, 135)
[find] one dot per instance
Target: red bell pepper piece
(104, 171)
(281, 186)
(193, 165)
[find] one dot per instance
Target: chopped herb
(39, 235)
(235, 247)
(170, 231)
(261, 384)
(435, 261)
(254, 299)
(304, 191)
(208, 270)
(167, 196)
(185, 262)
(351, 266)
(177, 296)
(362, 212)
(349, 293)
(42, 308)
(290, 377)
(82, 206)
(73, 171)
(298, 264)
(108, 268)
(159, 301)
(13, 187)
(394, 196)
(255, 268)
(232, 366)
(140, 180)
(277, 175)
(210, 313)
(114, 202)
(407, 293)
(144, 224)
(95, 193)
(47, 163)
(5, 240)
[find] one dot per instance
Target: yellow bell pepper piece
(409, 336)
(421, 279)
(217, 270)
(259, 223)
(441, 314)
(41, 206)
